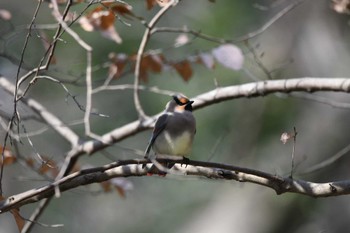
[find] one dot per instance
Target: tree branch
(208, 170)
(47, 116)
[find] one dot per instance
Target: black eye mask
(178, 102)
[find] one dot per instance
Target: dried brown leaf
(9, 157)
(150, 4)
(18, 218)
(184, 69)
(101, 19)
(106, 186)
(123, 10)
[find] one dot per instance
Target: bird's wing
(158, 128)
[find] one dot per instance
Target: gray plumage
(174, 130)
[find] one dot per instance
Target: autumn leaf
(48, 166)
(184, 69)
(229, 56)
(151, 3)
(152, 62)
(101, 19)
(106, 186)
(18, 218)
(30, 162)
(117, 65)
(124, 10)
(8, 158)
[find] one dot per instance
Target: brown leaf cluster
(228, 56)
(103, 17)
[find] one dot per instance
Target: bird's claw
(185, 161)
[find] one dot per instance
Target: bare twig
(270, 22)
(321, 99)
(49, 54)
(329, 161)
(131, 87)
(48, 117)
(293, 151)
(88, 50)
(199, 34)
(35, 215)
(257, 60)
(15, 113)
(140, 53)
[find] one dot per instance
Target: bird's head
(179, 103)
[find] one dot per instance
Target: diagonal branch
(47, 116)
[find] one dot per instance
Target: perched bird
(174, 130)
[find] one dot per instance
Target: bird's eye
(180, 101)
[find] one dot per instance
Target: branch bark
(208, 170)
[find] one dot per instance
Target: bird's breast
(181, 144)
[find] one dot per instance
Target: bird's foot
(185, 161)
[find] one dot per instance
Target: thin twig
(327, 162)
(257, 60)
(293, 151)
(15, 113)
(246, 37)
(140, 53)
(321, 99)
(270, 22)
(35, 215)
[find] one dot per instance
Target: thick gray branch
(208, 170)
(266, 87)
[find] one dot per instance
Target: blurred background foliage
(310, 41)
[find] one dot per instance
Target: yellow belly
(180, 145)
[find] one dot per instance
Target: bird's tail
(146, 155)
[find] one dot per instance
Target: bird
(173, 132)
